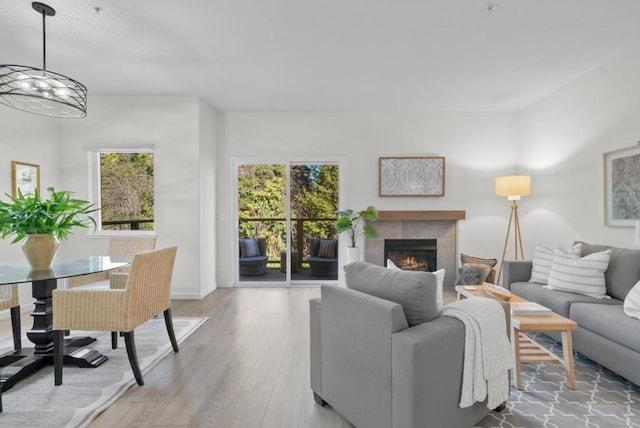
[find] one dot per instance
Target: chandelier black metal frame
(38, 90)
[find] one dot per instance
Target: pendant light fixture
(38, 90)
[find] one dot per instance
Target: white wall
(558, 140)
(561, 142)
(33, 139)
(208, 234)
(182, 130)
(477, 147)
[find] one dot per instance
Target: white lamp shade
(513, 186)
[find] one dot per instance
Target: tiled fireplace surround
(440, 225)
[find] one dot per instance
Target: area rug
(601, 399)
(36, 402)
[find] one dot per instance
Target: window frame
(95, 193)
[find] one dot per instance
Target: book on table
(529, 308)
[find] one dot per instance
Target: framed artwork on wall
(26, 177)
(622, 186)
(411, 176)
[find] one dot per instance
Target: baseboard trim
(194, 296)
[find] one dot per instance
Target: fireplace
(412, 254)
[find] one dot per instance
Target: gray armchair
(377, 372)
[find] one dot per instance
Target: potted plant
(41, 222)
(355, 224)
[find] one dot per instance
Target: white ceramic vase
(353, 254)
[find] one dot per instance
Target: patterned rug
(601, 399)
(84, 393)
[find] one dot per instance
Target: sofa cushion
(558, 301)
(415, 291)
(574, 274)
(608, 321)
(623, 271)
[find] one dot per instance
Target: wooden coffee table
(527, 350)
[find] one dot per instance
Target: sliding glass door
(285, 214)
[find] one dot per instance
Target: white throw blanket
(487, 352)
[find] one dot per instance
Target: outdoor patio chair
(324, 257)
(253, 256)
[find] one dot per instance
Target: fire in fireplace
(412, 254)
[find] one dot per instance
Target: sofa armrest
(516, 271)
(355, 334)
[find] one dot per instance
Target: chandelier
(38, 90)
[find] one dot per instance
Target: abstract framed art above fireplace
(411, 176)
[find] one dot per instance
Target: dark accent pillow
(473, 274)
(465, 259)
(327, 248)
(249, 247)
(415, 291)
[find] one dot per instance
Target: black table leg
(17, 365)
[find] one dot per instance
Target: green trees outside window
(126, 188)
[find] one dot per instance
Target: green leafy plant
(57, 215)
(356, 223)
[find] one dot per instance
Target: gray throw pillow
(249, 247)
(473, 274)
(415, 291)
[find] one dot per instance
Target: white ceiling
(325, 55)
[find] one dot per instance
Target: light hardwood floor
(247, 366)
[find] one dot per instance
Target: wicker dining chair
(9, 299)
(122, 246)
(145, 294)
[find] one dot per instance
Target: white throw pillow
(392, 265)
(578, 275)
(541, 264)
(440, 284)
(632, 302)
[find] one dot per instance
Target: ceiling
(329, 55)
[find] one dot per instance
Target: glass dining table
(17, 365)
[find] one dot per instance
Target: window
(124, 189)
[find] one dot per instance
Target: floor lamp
(513, 187)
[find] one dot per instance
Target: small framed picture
(622, 187)
(26, 177)
(411, 176)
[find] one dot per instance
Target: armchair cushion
(415, 291)
(249, 247)
(327, 248)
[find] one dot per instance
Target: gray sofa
(377, 372)
(605, 334)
